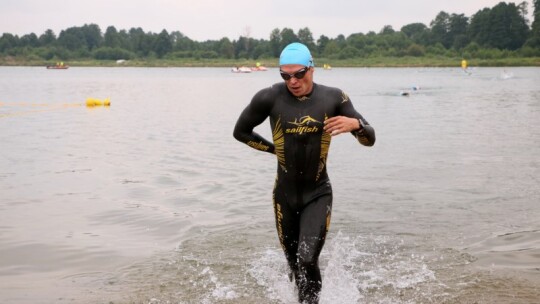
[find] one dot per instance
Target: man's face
(298, 87)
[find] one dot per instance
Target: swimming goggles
(298, 74)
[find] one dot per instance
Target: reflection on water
(152, 200)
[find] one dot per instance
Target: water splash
(340, 276)
(219, 291)
(505, 75)
(355, 269)
(270, 270)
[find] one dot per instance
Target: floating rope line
(44, 107)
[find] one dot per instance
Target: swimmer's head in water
(296, 53)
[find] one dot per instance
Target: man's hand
(340, 124)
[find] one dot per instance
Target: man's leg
(287, 225)
(314, 224)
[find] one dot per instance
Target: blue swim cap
(296, 53)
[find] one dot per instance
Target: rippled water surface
(151, 200)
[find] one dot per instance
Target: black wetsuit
(302, 192)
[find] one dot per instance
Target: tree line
(497, 32)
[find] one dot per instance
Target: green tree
(501, 27)
(182, 42)
(8, 42)
(287, 36)
(125, 42)
(321, 43)
(471, 50)
(92, 35)
(387, 30)
(417, 32)
(275, 42)
(534, 37)
(457, 34)
(162, 44)
(479, 27)
(502, 30)
(226, 48)
(30, 40)
(141, 42)
(72, 39)
(415, 50)
(348, 52)
(331, 50)
(48, 38)
(341, 41)
(306, 37)
(440, 29)
(241, 48)
(357, 40)
(396, 40)
(509, 28)
(262, 50)
(112, 38)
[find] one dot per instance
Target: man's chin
(297, 92)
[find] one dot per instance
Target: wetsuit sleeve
(253, 115)
(366, 134)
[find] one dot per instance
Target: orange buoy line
(94, 102)
(43, 107)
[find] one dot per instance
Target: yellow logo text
(303, 125)
(258, 145)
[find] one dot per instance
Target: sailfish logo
(303, 125)
(304, 121)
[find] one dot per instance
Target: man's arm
(253, 115)
(359, 127)
(350, 120)
(365, 134)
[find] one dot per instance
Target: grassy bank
(433, 62)
(272, 62)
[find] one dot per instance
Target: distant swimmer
(303, 118)
(506, 75)
(404, 93)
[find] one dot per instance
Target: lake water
(151, 200)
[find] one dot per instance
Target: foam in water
(270, 270)
(220, 291)
(354, 270)
(214, 289)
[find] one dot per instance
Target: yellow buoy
(463, 64)
(94, 102)
(90, 102)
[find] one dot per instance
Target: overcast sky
(203, 20)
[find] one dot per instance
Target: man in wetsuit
(303, 116)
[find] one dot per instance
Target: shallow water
(152, 201)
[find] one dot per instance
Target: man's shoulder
(328, 89)
(265, 98)
(270, 93)
(331, 92)
(275, 88)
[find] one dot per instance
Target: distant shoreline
(272, 62)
